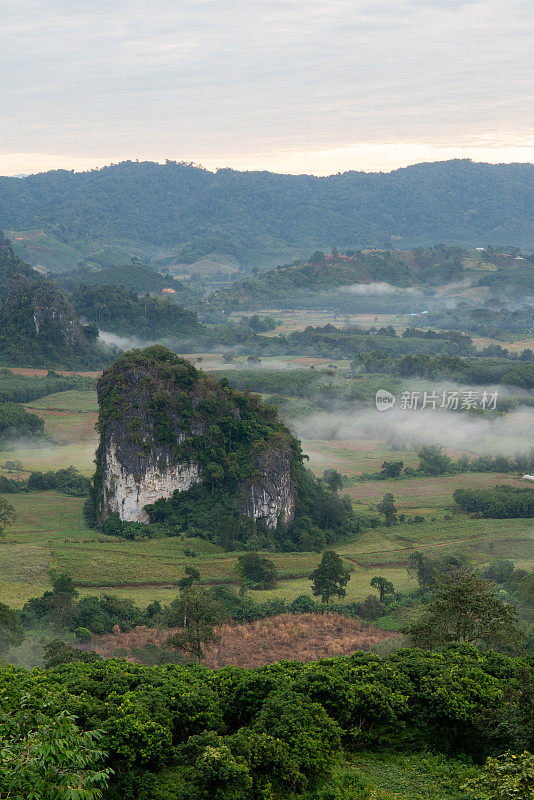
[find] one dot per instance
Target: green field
(50, 533)
(71, 400)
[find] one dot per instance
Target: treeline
(349, 341)
(61, 609)
(511, 371)
(432, 461)
(23, 388)
(499, 502)
(293, 382)
(492, 319)
(194, 212)
(67, 480)
(17, 423)
(121, 311)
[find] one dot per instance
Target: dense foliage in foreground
(278, 730)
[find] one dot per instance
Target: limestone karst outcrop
(38, 325)
(166, 427)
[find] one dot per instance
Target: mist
(379, 289)
(496, 435)
(124, 342)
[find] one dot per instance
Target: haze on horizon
(315, 86)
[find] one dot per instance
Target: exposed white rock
(271, 492)
(128, 494)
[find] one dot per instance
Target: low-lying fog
(503, 434)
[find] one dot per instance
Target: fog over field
(497, 435)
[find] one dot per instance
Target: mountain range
(177, 212)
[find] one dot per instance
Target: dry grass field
(298, 637)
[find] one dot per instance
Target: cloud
(282, 83)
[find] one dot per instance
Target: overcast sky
(316, 86)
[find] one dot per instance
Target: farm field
(51, 534)
(71, 400)
(69, 419)
(291, 321)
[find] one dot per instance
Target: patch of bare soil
(298, 637)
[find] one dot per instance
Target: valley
(377, 491)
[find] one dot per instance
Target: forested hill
(150, 208)
(10, 265)
(306, 282)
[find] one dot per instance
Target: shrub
(83, 634)
(507, 777)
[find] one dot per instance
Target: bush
(256, 572)
(83, 634)
(312, 737)
(507, 777)
(501, 502)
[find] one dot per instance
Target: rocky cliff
(11, 265)
(166, 427)
(38, 325)
(46, 310)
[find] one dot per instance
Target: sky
(315, 86)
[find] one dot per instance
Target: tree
(56, 604)
(227, 533)
(219, 775)
(422, 568)
(57, 652)
(391, 469)
(383, 586)
(388, 508)
(192, 576)
(333, 479)
(330, 577)
(464, 608)
(44, 755)
(429, 570)
(202, 613)
(256, 572)
(433, 461)
(7, 516)
(11, 632)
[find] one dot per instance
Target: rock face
(42, 311)
(165, 427)
(47, 310)
(127, 494)
(271, 493)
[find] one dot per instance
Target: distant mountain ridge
(182, 212)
